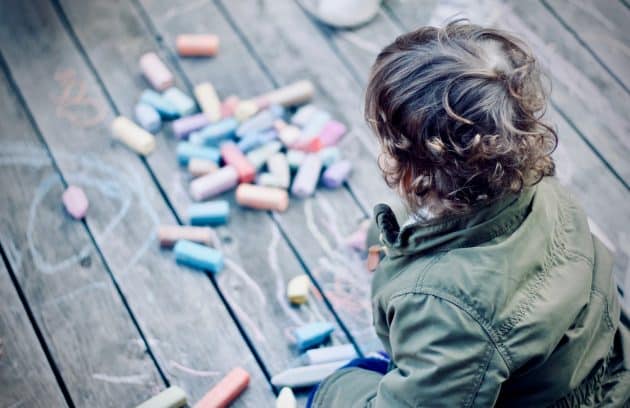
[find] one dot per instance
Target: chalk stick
(336, 174)
(228, 106)
(307, 176)
(258, 157)
(226, 390)
(315, 124)
(214, 133)
(262, 120)
(358, 239)
(75, 201)
(293, 94)
(332, 132)
(156, 72)
(214, 184)
(172, 397)
(245, 109)
(186, 151)
(164, 107)
(286, 399)
(297, 289)
(209, 213)
(252, 141)
(147, 117)
(184, 126)
(233, 156)
(329, 354)
(303, 114)
(201, 167)
(329, 155)
(309, 145)
(262, 198)
(288, 134)
(133, 135)
(278, 166)
(312, 334)
(208, 101)
(374, 257)
(306, 376)
(295, 158)
(197, 45)
(269, 180)
(183, 103)
(198, 256)
(169, 234)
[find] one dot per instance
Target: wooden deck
(94, 314)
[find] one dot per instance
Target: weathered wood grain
(260, 261)
(178, 310)
(25, 374)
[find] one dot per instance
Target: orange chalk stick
(197, 45)
(233, 156)
(169, 234)
(226, 390)
(262, 198)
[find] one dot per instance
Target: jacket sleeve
(442, 356)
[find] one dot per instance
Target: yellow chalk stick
(208, 101)
(297, 289)
(133, 135)
(172, 397)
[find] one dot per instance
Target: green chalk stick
(172, 397)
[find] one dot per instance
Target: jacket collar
(479, 225)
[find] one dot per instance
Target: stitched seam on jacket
(481, 373)
(480, 320)
(608, 320)
(425, 270)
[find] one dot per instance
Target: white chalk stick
(172, 397)
(297, 289)
(286, 399)
(329, 354)
(306, 376)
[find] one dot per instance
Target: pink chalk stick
(156, 71)
(214, 183)
(226, 390)
(232, 155)
(332, 133)
(229, 106)
(75, 201)
(184, 126)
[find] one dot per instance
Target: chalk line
(272, 257)
(248, 280)
(192, 371)
(138, 379)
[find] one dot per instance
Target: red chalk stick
(232, 155)
(226, 390)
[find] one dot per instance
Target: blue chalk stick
(209, 213)
(215, 133)
(147, 117)
(263, 120)
(256, 139)
(187, 151)
(184, 104)
(198, 256)
(312, 334)
(315, 124)
(165, 108)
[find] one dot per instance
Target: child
(493, 292)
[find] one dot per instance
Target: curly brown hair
(458, 114)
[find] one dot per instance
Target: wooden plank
(25, 374)
(255, 280)
(585, 93)
(177, 309)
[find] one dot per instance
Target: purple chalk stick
(336, 174)
(332, 133)
(307, 176)
(183, 126)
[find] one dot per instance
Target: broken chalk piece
(303, 114)
(337, 173)
(75, 201)
(245, 110)
(198, 256)
(293, 94)
(200, 167)
(147, 117)
(297, 289)
(233, 156)
(262, 198)
(133, 135)
(214, 184)
(288, 134)
(306, 376)
(286, 399)
(258, 157)
(164, 107)
(186, 151)
(312, 334)
(208, 101)
(183, 103)
(182, 127)
(307, 176)
(197, 45)
(262, 120)
(329, 155)
(214, 133)
(329, 354)
(228, 106)
(169, 234)
(209, 213)
(226, 390)
(332, 132)
(254, 140)
(156, 72)
(172, 397)
(295, 158)
(278, 166)
(374, 257)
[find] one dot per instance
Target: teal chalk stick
(184, 104)
(312, 334)
(215, 133)
(165, 108)
(209, 213)
(198, 256)
(186, 151)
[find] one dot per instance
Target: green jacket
(510, 305)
